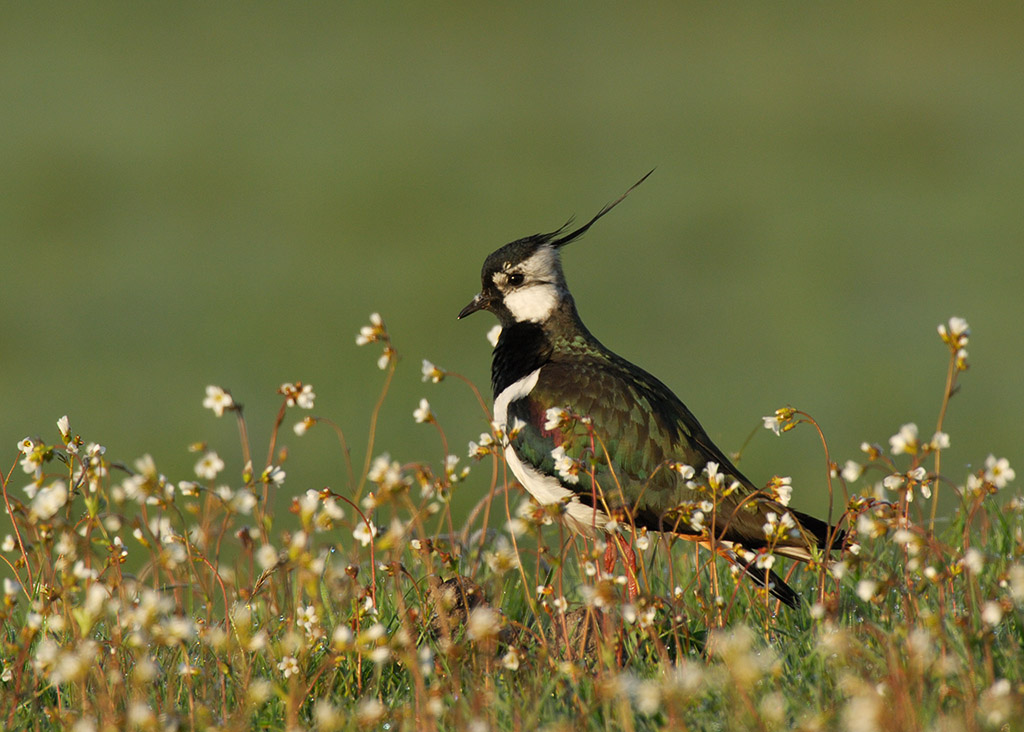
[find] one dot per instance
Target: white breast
(546, 489)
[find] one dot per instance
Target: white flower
(298, 394)
(364, 532)
(511, 659)
(772, 423)
(686, 471)
(342, 637)
(554, 418)
(423, 413)
(905, 441)
(991, 613)
(782, 488)
(894, 481)
(266, 556)
(209, 465)
(998, 471)
(518, 426)
(65, 427)
(567, 468)
(273, 475)
(218, 400)
(26, 446)
(372, 332)
(307, 618)
(974, 560)
(369, 712)
(940, 441)
(779, 527)
(956, 334)
(493, 334)
(303, 425)
(866, 589)
(48, 501)
(483, 623)
(288, 666)
(432, 372)
(479, 450)
(852, 471)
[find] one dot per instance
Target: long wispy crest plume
(563, 240)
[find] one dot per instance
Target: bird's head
(523, 281)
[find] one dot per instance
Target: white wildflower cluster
(452, 471)
(308, 620)
(423, 414)
(319, 510)
(643, 616)
(995, 476)
(781, 421)
(432, 373)
(501, 557)
(387, 473)
(376, 332)
(714, 481)
(779, 528)
(34, 452)
(677, 685)
(47, 501)
(568, 468)
(484, 624)
(695, 514)
(556, 418)
(485, 446)
(852, 471)
(780, 488)
(273, 475)
(956, 334)
(907, 482)
(297, 394)
(241, 501)
(905, 441)
(146, 486)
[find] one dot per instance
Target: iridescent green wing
(639, 431)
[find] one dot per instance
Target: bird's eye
(515, 279)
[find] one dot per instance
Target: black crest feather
(557, 239)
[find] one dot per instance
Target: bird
(610, 443)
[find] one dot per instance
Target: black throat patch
(522, 348)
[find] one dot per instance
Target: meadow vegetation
(137, 601)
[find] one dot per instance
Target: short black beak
(477, 303)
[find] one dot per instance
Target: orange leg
(617, 544)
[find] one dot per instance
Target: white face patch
(534, 303)
(536, 298)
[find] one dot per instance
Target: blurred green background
(222, 193)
